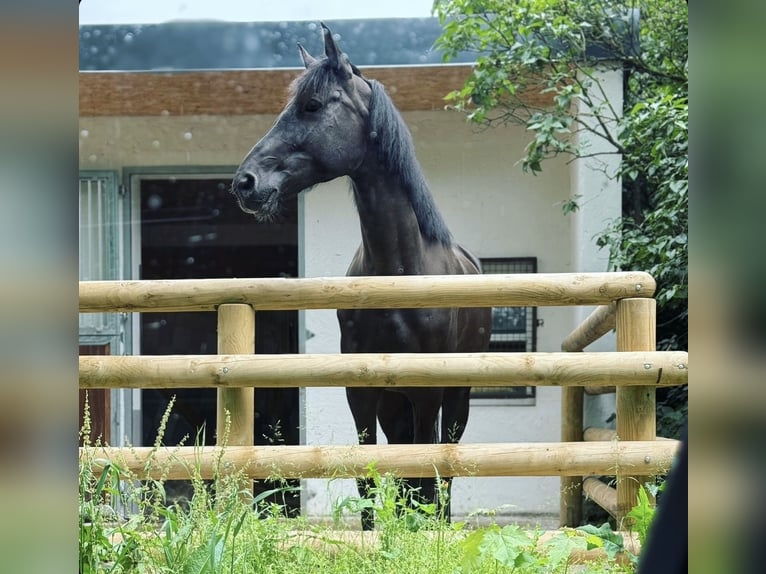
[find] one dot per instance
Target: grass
(223, 529)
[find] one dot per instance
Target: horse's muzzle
(244, 183)
(261, 202)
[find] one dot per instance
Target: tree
(555, 48)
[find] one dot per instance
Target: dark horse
(336, 123)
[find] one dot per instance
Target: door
(191, 227)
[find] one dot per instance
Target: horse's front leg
(363, 403)
(454, 419)
(426, 404)
(396, 419)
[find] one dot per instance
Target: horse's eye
(313, 105)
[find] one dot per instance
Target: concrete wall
(491, 206)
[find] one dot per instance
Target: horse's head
(320, 135)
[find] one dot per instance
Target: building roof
(211, 67)
(203, 45)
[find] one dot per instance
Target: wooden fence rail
(596, 325)
(273, 294)
(413, 460)
(655, 369)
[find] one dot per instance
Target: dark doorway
(193, 228)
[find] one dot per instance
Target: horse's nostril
(246, 182)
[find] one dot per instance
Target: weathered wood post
(236, 336)
(636, 323)
(570, 506)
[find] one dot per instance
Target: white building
(157, 150)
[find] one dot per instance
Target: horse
(339, 123)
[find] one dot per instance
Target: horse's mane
(393, 141)
(397, 153)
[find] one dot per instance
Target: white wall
(490, 205)
(117, 142)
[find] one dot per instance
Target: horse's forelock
(317, 79)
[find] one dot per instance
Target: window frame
(500, 342)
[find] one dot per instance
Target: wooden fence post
(570, 505)
(596, 325)
(636, 406)
(236, 336)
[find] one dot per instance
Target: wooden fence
(634, 371)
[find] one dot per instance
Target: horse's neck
(391, 237)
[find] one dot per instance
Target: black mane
(397, 153)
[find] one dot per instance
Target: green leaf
(571, 205)
(642, 514)
(603, 537)
(472, 550)
(559, 548)
(507, 545)
(197, 562)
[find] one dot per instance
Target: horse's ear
(307, 58)
(333, 52)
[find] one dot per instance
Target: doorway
(191, 227)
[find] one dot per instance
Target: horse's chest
(396, 330)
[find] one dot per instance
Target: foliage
(128, 525)
(642, 515)
(516, 549)
(537, 65)
(603, 537)
(96, 515)
(639, 520)
(654, 237)
(526, 48)
(193, 538)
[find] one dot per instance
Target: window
(100, 257)
(101, 240)
(514, 329)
